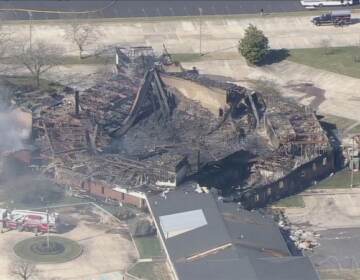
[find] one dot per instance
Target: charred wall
(226, 173)
(295, 182)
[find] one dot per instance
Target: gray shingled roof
(257, 250)
(224, 265)
(253, 234)
(214, 234)
(294, 268)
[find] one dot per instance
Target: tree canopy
(254, 46)
(38, 58)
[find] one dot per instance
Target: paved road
(141, 8)
(339, 249)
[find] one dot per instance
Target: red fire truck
(24, 220)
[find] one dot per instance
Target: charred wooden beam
(77, 103)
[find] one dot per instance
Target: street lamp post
(30, 30)
(48, 229)
(200, 31)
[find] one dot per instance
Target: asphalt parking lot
(116, 9)
(339, 249)
(54, 9)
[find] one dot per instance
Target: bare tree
(325, 45)
(23, 270)
(81, 34)
(4, 41)
(5, 38)
(5, 44)
(38, 58)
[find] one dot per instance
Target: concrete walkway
(182, 35)
(332, 191)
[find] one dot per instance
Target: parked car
(337, 18)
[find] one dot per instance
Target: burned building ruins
(154, 125)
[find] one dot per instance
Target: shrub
(254, 46)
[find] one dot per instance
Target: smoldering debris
(140, 130)
(15, 129)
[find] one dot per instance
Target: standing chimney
(77, 102)
(198, 160)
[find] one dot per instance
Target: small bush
(143, 228)
(124, 214)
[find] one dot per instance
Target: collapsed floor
(138, 132)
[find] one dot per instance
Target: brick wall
(104, 190)
(97, 188)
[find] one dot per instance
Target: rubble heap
(134, 131)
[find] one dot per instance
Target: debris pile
(135, 132)
(304, 240)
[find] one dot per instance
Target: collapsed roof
(144, 124)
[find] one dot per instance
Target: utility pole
(48, 230)
(200, 31)
(30, 30)
(352, 164)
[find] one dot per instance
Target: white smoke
(15, 129)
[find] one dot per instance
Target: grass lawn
(27, 249)
(73, 60)
(338, 59)
(18, 204)
(45, 85)
(149, 247)
(355, 130)
(186, 57)
(291, 201)
(89, 60)
(216, 55)
(340, 179)
(32, 193)
(150, 271)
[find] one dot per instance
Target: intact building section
(222, 241)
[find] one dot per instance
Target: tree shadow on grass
(274, 56)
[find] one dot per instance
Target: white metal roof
(182, 222)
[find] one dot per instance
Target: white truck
(325, 3)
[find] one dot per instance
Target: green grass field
(150, 271)
(34, 193)
(340, 122)
(341, 60)
(341, 179)
(149, 247)
(45, 85)
(74, 60)
(66, 250)
(215, 55)
(355, 130)
(291, 201)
